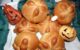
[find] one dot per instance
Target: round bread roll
(35, 11)
(24, 25)
(51, 41)
(65, 11)
(67, 33)
(26, 41)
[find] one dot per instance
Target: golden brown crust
(51, 41)
(35, 11)
(20, 26)
(65, 12)
(44, 26)
(24, 25)
(26, 41)
(54, 26)
(48, 26)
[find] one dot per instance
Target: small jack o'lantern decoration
(68, 33)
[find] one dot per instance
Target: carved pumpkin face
(68, 33)
(65, 12)
(12, 14)
(35, 11)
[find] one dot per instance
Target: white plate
(74, 45)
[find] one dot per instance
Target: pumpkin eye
(10, 11)
(65, 30)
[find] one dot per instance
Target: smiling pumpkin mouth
(65, 35)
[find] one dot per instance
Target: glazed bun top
(51, 41)
(35, 11)
(26, 41)
(65, 10)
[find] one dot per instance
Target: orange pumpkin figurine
(13, 15)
